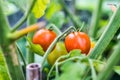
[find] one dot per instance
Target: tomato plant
(44, 37)
(78, 40)
(64, 51)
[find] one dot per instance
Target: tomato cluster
(74, 40)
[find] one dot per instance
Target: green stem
(82, 26)
(57, 63)
(94, 76)
(13, 63)
(96, 18)
(54, 28)
(9, 50)
(75, 21)
(107, 35)
(112, 61)
(4, 27)
(21, 55)
(30, 55)
(24, 18)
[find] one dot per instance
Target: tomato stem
(54, 28)
(83, 25)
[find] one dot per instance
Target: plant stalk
(4, 26)
(30, 55)
(8, 49)
(96, 18)
(108, 34)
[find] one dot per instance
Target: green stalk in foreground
(96, 18)
(30, 55)
(108, 34)
(112, 61)
(8, 49)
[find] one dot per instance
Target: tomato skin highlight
(44, 37)
(78, 40)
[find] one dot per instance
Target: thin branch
(24, 18)
(18, 34)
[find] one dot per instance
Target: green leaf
(40, 7)
(52, 9)
(4, 74)
(58, 18)
(75, 52)
(35, 48)
(72, 71)
(117, 69)
(8, 7)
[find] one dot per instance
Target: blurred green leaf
(8, 7)
(75, 52)
(58, 18)
(22, 4)
(4, 74)
(72, 71)
(35, 47)
(40, 7)
(117, 69)
(52, 8)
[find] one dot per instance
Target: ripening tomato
(44, 37)
(78, 40)
(58, 51)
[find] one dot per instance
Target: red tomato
(44, 37)
(78, 40)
